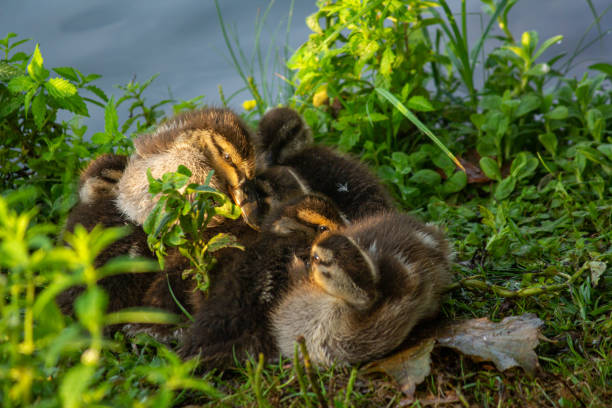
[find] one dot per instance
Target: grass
(530, 220)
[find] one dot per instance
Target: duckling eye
(316, 259)
(323, 228)
(226, 156)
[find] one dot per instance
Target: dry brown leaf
(408, 367)
(508, 343)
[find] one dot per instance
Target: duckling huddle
(327, 255)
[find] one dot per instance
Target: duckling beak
(245, 196)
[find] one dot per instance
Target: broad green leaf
(7, 71)
(67, 72)
(559, 113)
(602, 67)
(60, 88)
(455, 183)
(419, 103)
(606, 149)
(490, 102)
(98, 92)
(595, 123)
(549, 141)
(101, 138)
(505, 188)
(89, 307)
(312, 21)
(21, 84)
(527, 104)
(490, 168)
(387, 61)
(523, 165)
(74, 386)
(39, 109)
(427, 177)
(223, 240)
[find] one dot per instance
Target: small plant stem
(349, 386)
(476, 284)
(299, 373)
(257, 382)
(28, 335)
(310, 372)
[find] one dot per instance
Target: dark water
(181, 40)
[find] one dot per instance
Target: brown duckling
(96, 206)
(204, 140)
(367, 286)
(283, 139)
(233, 320)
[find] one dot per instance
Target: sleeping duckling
(233, 320)
(97, 191)
(204, 140)
(283, 139)
(367, 286)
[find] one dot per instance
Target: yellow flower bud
(250, 104)
(320, 97)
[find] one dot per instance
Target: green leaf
(98, 92)
(111, 121)
(39, 109)
(35, 67)
(74, 385)
(559, 113)
(67, 72)
(549, 141)
(505, 188)
(602, 67)
(60, 88)
(427, 177)
(90, 306)
(223, 240)
(455, 183)
(386, 61)
(21, 84)
(312, 21)
(595, 123)
(28, 99)
(546, 45)
(527, 104)
(419, 103)
(490, 168)
(523, 165)
(7, 71)
(606, 149)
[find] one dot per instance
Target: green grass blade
(498, 10)
(411, 117)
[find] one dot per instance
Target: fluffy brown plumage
(283, 139)
(204, 140)
(96, 206)
(367, 286)
(233, 320)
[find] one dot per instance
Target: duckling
(233, 320)
(204, 140)
(367, 286)
(283, 139)
(97, 191)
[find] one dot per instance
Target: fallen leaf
(408, 367)
(508, 343)
(597, 269)
(474, 174)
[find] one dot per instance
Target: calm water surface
(181, 40)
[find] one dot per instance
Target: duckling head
(281, 132)
(341, 268)
(308, 214)
(226, 143)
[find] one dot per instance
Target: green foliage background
(529, 217)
